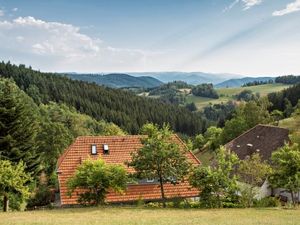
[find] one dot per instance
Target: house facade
(117, 150)
(262, 139)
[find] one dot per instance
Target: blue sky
(248, 37)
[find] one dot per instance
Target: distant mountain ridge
(241, 81)
(188, 77)
(117, 80)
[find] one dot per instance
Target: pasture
(227, 94)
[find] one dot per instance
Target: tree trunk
(293, 198)
(5, 203)
(162, 191)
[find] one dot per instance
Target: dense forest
(289, 79)
(117, 80)
(123, 108)
(285, 99)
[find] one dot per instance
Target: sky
(246, 37)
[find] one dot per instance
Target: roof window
(94, 150)
(105, 149)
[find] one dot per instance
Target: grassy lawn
(153, 216)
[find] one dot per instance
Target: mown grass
(130, 216)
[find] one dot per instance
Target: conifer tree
(18, 126)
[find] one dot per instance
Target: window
(94, 150)
(149, 180)
(105, 149)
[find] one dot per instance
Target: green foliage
(125, 109)
(245, 95)
(247, 116)
(253, 172)
(18, 126)
(286, 169)
(96, 178)
(160, 158)
(191, 106)
(205, 90)
(212, 137)
(279, 99)
(267, 202)
(277, 115)
(289, 79)
(217, 184)
(219, 112)
(41, 197)
(199, 141)
(13, 180)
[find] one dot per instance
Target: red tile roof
(120, 148)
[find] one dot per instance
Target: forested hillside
(117, 80)
(125, 109)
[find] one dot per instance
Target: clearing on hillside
(227, 94)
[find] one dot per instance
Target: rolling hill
(188, 77)
(125, 109)
(241, 81)
(117, 80)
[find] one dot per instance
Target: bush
(267, 202)
(42, 197)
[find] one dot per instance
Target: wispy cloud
(247, 4)
(64, 46)
(1, 12)
(15, 9)
(250, 3)
(290, 8)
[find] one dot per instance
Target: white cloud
(232, 4)
(58, 46)
(247, 4)
(1, 12)
(250, 3)
(290, 8)
(15, 9)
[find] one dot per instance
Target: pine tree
(18, 126)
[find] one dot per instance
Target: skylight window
(105, 149)
(94, 150)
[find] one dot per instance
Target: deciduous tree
(160, 158)
(286, 169)
(96, 177)
(13, 180)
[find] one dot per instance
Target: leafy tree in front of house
(286, 169)
(252, 174)
(160, 158)
(217, 184)
(96, 178)
(13, 181)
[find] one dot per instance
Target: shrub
(42, 197)
(267, 202)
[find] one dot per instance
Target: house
(262, 139)
(117, 150)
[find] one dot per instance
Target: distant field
(130, 216)
(228, 93)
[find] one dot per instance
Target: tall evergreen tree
(18, 126)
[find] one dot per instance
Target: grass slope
(227, 94)
(130, 216)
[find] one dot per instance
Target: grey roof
(263, 139)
